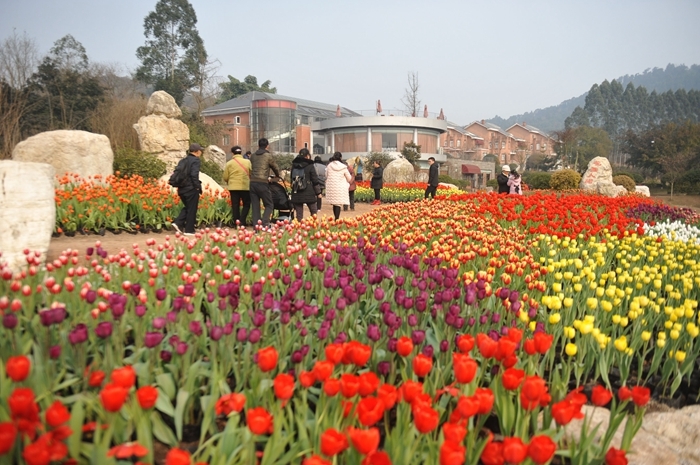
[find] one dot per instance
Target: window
(503, 145)
(445, 144)
(538, 146)
(237, 120)
(227, 139)
(459, 142)
(530, 147)
(450, 143)
(306, 145)
(503, 157)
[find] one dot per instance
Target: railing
(395, 112)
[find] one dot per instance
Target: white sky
(474, 59)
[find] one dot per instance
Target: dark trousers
(299, 209)
(430, 191)
(336, 211)
(377, 195)
(188, 215)
(319, 203)
(351, 194)
(238, 214)
(261, 191)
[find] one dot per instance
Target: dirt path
(113, 243)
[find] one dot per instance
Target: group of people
(247, 178)
(509, 181)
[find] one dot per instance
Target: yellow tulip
(571, 349)
(646, 335)
(554, 318)
(679, 356)
(621, 343)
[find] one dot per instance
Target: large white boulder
(80, 152)
(399, 170)
(215, 154)
(643, 190)
(162, 103)
(599, 178)
(27, 210)
(168, 138)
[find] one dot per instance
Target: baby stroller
(281, 200)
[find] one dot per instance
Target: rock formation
(27, 210)
(79, 152)
(598, 178)
(160, 131)
(399, 170)
(215, 154)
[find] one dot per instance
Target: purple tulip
(228, 328)
(297, 356)
(166, 355)
(104, 329)
(412, 320)
(159, 322)
(79, 334)
(90, 251)
(140, 310)
(216, 333)
(241, 335)
(373, 333)
(428, 350)
(9, 321)
(322, 333)
(188, 290)
(196, 328)
(495, 318)
(379, 293)
(418, 336)
(444, 345)
(55, 352)
(152, 339)
(90, 296)
(161, 294)
(391, 344)
(383, 368)
(254, 336)
(172, 316)
(236, 318)
(181, 348)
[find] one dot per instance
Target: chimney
(482, 121)
(524, 124)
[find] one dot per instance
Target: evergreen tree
(174, 55)
(235, 88)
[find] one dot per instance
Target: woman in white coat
(337, 183)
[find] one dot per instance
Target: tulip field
(469, 329)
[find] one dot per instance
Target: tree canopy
(174, 56)
(235, 88)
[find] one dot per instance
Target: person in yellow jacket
(237, 178)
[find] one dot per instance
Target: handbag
(244, 168)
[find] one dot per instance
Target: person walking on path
(311, 191)
(351, 190)
(432, 179)
(358, 169)
(262, 162)
(321, 173)
(189, 193)
(515, 183)
(337, 183)
(502, 180)
(237, 179)
(377, 182)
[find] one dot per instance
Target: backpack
(180, 176)
(299, 181)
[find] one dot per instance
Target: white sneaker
(177, 228)
(188, 234)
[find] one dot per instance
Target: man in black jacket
(312, 190)
(190, 192)
(432, 178)
(503, 180)
(262, 162)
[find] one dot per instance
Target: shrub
(461, 183)
(564, 180)
(211, 169)
(284, 161)
(492, 183)
(128, 161)
(382, 158)
(537, 179)
(638, 178)
(689, 183)
(624, 181)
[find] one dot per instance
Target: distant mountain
(552, 118)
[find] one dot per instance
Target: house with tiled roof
(497, 142)
(533, 140)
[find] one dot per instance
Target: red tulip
(228, 403)
(307, 379)
(124, 377)
(147, 396)
(493, 454)
(465, 343)
(485, 398)
(113, 397)
(454, 432)
(370, 410)
(22, 405)
(514, 450)
(422, 364)
(464, 368)
(565, 411)
(8, 434)
(284, 386)
(468, 406)
(360, 354)
(452, 453)
(17, 368)
(349, 385)
(615, 457)
(487, 346)
(96, 378)
(410, 389)
(177, 456)
(512, 378)
(404, 346)
(331, 387)
(323, 370)
(333, 442)
(369, 382)
(267, 358)
(378, 457)
(600, 396)
(365, 441)
(259, 421)
(388, 395)
(541, 449)
(624, 393)
(640, 395)
(57, 414)
(533, 392)
(334, 353)
(543, 342)
(315, 460)
(425, 418)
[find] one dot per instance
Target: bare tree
(207, 87)
(410, 99)
(18, 60)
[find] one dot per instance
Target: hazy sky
(474, 59)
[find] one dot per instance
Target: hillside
(552, 118)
